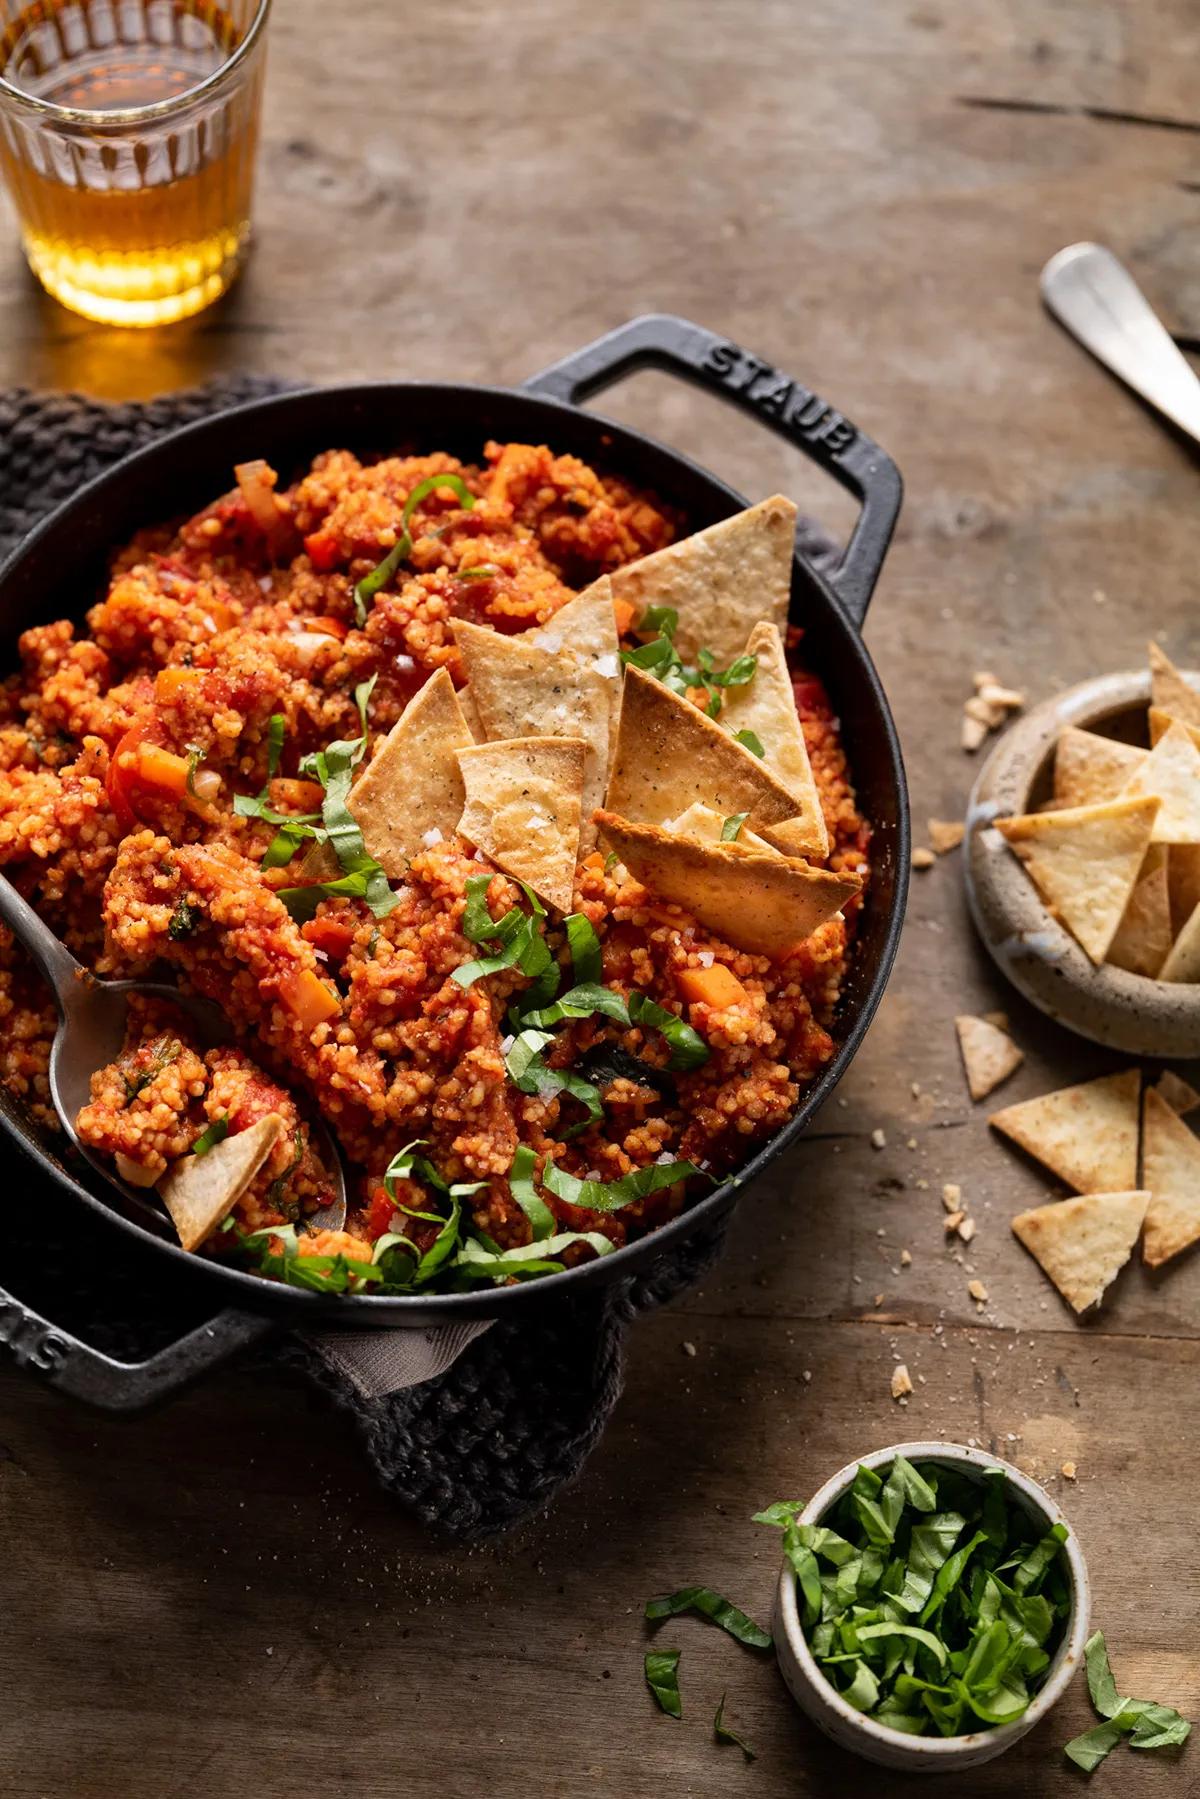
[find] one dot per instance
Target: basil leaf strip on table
(926, 1597)
(725, 1734)
(662, 1677)
(382, 573)
(712, 1605)
(1147, 1724)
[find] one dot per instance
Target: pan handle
(86, 1373)
(661, 341)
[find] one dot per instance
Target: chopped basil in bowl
(933, 1605)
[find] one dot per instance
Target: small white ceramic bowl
(878, 1742)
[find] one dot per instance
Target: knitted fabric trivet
(483, 1445)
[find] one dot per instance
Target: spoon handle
(1100, 303)
(54, 959)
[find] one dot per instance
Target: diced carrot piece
(328, 627)
(595, 860)
(698, 697)
(304, 796)
(308, 999)
(715, 986)
(170, 683)
(222, 615)
(157, 767)
(330, 935)
(322, 550)
(624, 612)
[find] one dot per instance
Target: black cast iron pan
(61, 566)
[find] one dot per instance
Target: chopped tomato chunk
(322, 550)
(330, 935)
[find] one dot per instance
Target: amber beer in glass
(127, 137)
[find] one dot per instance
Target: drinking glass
(128, 131)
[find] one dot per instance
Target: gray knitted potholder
(474, 1450)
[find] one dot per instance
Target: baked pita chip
(411, 794)
(1183, 882)
(989, 1054)
(1085, 862)
(523, 691)
(470, 713)
(1088, 768)
(1087, 1135)
(767, 904)
(1179, 1094)
(1183, 960)
(1083, 1243)
(721, 582)
(586, 627)
(705, 825)
(1143, 939)
(669, 754)
(1171, 1170)
(523, 808)
(1160, 723)
(1172, 773)
(200, 1191)
(1169, 691)
(766, 705)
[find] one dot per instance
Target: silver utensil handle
(54, 959)
(1090, 292)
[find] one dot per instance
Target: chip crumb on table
(901, 1381)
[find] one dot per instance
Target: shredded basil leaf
(751, 741)
(1147, 1724)
(476, 1260)
(382, 573)
(731, 829)
(522, 944)
(362, 877)
(275, 730)
(520, 1180)
(320, 1274)
(613, 1196)
(208, 1139)
(687, 1046)
(725, 1734)
(184, 919)
(195, 758)
(584, 947)
(662, 1677)
(660, 658)
(710, 1604)
(529, 1073)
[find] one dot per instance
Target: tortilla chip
(523, 691)
(989, 1055)
(1160, 723)
(1183, 882)
(470, 712)
(766, 705)
(766, 904)
(411, 793)
(1088, 768)
(1087, 1135)
(1179, 1094)
(523, 807)
(669, 754)
(705, 825)
(1083, 1243)
(200, 1191)
(721, 582)
(1172, 772)
(1171, 1170)
(1143, 939)
(1183, 961)
(1085, 861)
(1169, 692)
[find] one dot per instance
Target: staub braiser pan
(62, 564)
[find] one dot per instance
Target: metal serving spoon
(91, 1033)
(1090, 292)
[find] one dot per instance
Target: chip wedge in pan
(521, 690)
(523, 802)
(668, 755)
(1085, 862)
(411, 792)
(766, 706)
(200, 1191)
(766, 904)
(721, 582)
(587, 627)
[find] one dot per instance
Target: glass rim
(52, 113)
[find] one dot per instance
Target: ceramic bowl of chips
(899, 1745)
(1082, 861)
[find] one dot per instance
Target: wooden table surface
(214, 1600)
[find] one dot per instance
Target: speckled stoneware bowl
(1038, 955)
(878, 1742)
